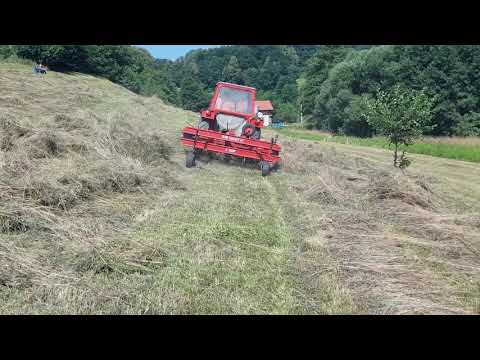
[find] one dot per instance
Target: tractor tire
(257, 134)
(204, 125)
(265, 167)
(248, 130)
(190, 159)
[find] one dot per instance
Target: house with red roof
(266, 108)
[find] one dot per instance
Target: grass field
(466, 149)
(99, 215)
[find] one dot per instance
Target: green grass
(466, 152)
(228, 252)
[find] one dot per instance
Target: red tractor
(230, 126)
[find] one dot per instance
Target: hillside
(98, 215)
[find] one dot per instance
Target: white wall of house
(267, 120)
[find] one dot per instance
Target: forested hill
(273, 70)
(326, 81)
(329, 81)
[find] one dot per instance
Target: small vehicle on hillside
(39, 69)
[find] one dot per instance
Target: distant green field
(451, 148)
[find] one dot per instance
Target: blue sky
(172, 52)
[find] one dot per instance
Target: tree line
(330, 83)
(337, 81)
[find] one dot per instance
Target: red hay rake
(212, 135)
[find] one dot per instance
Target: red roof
(264, 105)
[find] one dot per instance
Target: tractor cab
(232, 109)
(233, 99)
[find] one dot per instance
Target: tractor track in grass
(229, 241)
(233, 247)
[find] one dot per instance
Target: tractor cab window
(234, 100)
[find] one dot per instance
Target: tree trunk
(395, 155)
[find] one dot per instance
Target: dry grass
(98, 215)
(75, 171)
(396, 243)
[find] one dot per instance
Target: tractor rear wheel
(190, 159)
(265, 167)
(248, 130)
(256, 135)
